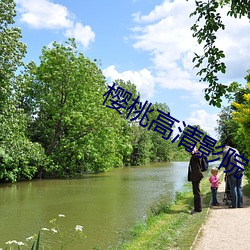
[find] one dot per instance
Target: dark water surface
(104, 204)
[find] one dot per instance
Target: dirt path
(225, 228)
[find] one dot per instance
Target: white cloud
(177, 79)
(44, 14)
(206, 121)
(159, 12)
(165, 33)
(235, 41)
(143, 79)
(83, 34)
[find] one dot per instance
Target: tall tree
(227, 128)
(12, 51)
(19, 157)
(241, 115)
(68, 118)
(131, 131)
(161, 148)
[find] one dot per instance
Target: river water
(104, 204)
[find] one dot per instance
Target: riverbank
(172, 227)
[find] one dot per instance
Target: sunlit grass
(246, 188)
(170, 226)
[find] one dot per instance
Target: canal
(105, 204)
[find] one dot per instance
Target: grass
(246, 187)
(170, 226)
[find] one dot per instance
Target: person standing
(214, 181)
(234, 172)
(195, 175)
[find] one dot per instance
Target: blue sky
(148, 42)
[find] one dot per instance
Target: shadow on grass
(179, 220)
(183, 203)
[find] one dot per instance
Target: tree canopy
(53, 121)
(19, 157)
(205, 29)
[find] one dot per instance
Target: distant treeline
(53, 121)
(52, 118)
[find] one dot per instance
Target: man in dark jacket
(195, 175)
(234, 172)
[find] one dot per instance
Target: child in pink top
(214, 185)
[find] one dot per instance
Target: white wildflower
(78, 228)
(10, 242)
(20, 243)
(29, 238)
(54, 230)
(45, 229)
(61, 215)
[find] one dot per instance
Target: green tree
(12, 51)
(19, 158)
(66, 94)
(230, 131)
(130, 129)
(207, 24)
(161, 148)
(141, 146)
(240, 114)
(233, 122)
(227, 127)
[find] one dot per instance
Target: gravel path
(225, 228)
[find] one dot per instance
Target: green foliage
(169, 226)
(142, 146)
(207, 24)
(130, 133)
(12, 50)
(179, 153)
(36, 243)
(52, 118)
(186, 131)
(227, 127)
(20, 158)
(207, 12)
(238, 8)
(147, 146)
(234, 120)
(241, 116)
(67, 117)
(161, 148)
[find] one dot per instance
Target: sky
(147, 42)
